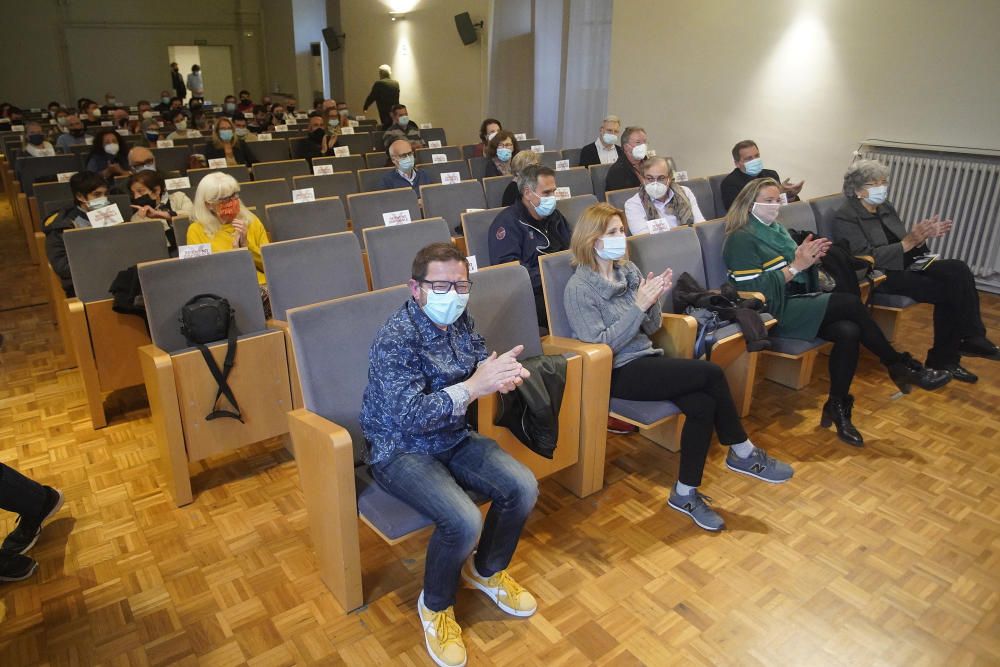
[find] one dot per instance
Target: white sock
(743, 449)
(684, 489)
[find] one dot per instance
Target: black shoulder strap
(222, 377)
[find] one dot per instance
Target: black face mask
(78, 132)
(145, 200)
(36, 139)
(291, 109)
(317, 134)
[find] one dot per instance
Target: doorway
(216, 68)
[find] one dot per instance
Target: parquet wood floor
(887, 555)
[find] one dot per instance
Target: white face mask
(639, 152)
(608, 138)
(111, 149)
(181, 125)
(656, 190)
(489, 137)
(766, 213)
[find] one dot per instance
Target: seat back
(451, 200)
(357, 144)
(617, 198)
(311, 270)
(677, 249)
(476, 230)
(349, 163)
(598, 178)
(502, 305)
(286, 169)
(495, 187)
(469, 150)
(712, 236)
(97, 255)
(175, 158)
(434, 134)
(391, 249)
(798, 215)
(31, 169)
(549, 158)
(426, 155)
(703, 194)
(310, 218)
(477, 167)
(51, 192)
(715, 182)
(180, 224)
(377, 159)
(261, 193)
(577, 179)
(573, 207)
(170, 283)
(824, 211)
(334, 384)
(370, 180)
(573, 155)
(268, 151)
(338, 184)
(240, 172)
(556, 270)
(368, 208)
(434, 171)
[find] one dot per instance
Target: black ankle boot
(908, 371)
(837, 411)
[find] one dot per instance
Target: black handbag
(207, 318)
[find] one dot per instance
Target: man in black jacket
(385, 95)
(604, 150)
(90, 191)
(749, 167)
(530, 227)
(177, 81)
(625, 172)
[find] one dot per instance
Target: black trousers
(699, 389)
(951, 287)
(21, 495)
(847, 323)
(543, 320)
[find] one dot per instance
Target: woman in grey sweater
(609, 301)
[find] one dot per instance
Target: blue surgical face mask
(406, 163)
(152, 136)
(877, 194)
(226, 135)
(545, 206)
(444, 309)
(504, 154)
(614, 248)
(404, 121)
(230, 107)
(753, 167)
(96, 203)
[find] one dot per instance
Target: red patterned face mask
(227, 210)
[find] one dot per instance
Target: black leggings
(699, 389)
(847, 323)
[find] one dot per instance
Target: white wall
(440, 79)
(807, 79)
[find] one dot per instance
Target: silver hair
(629, 131)
(611, 118)
(861, 172)
(527, 178)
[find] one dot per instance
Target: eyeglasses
(444, 286)
(403, 156)
(233, 197)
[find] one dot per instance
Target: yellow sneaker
(502, 589)
(442, 635)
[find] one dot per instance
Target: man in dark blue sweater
(405, 175)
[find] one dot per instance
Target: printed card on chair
(303, 194)
(434, 144)
(437, 158)
(194, 250)
(563, 193)
(218, 163)
(164, 143)
(105, 216)
(451, 177)
(393, 218)
(323, 169)
(179, 183)
(341, 151)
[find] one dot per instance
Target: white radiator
(963, 187)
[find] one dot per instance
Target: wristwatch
(792, 270)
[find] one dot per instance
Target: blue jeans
(430, 483)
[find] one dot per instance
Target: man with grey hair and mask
(606, 149)
(385, 95)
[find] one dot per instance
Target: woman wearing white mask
(870, 225)
(762, 257)
(106, 155)
(660, 198)
(487, 130)
(609, 301)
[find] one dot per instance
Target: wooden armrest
(753, 295)
(677, 335)
(590, 351)
(866, 258)
(278, 325)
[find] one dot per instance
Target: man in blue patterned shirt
(426, 365)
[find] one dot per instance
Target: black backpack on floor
(208, 318)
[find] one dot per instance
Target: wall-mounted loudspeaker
(466, 28)
(332, 38)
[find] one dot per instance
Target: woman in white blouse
(660, 198)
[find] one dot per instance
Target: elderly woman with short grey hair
(870, 225)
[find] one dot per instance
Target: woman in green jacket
(762, 257)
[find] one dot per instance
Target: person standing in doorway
(195, 83)
(385, 95)
(177, 82)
